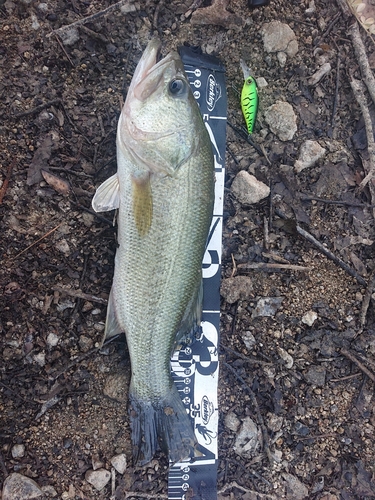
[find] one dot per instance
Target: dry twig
(352, 358)
(358, 91)
(360, 52)
(257, 411)
(270, 267)
(37, 241)
(93, 17)
(234, 484)
(366, 301)
(38, 109)
(4, 187)
(80, 295)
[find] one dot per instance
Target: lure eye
(176, 86)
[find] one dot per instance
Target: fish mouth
(149, 71)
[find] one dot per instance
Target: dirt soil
(301, 379)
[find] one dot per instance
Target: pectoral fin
(107, 196)
(142, 204)
(112, 327)
(190, 324)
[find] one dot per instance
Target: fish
(164, 193)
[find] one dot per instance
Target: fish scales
(164, 192)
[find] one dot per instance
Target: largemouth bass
(164, 193)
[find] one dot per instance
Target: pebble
(249, 340)
(267, 306)
(247, 440)
(85, 343)
(232, 422)
(49, 491)
(282, 120)
(98, 478)
(296, 490)
(279, 37)
(17, 487)
(318, 75)
(119, 462)
(310, 153)
(115, 387)
(63, 247)
(236, 288)
(52, 340)
(247, 189)
(309, 318)
(69, 36)
(316, 375)
(286, 357)
(18, 451)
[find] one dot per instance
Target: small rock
(119, 462)
(247, 440)
(286, 357)
(232, 422)
(295, 489)
(40, 358)
(69, 36)
(236, 288)
(98, 478)
(85, 343)
(49, 491)
(261, 82)
(267, 306)
(96, 462)
(18, 451)
(249, 340)
(274, 422)
(216, 14)
(309, 318)
(318, 75)
(279, 37)
(316, 375)
(281, 57)
(52, 340)
(63, 247)
(88, 219)
(282, 120)
(17, 487)
(247, 189)
(310, 153)
(116, 387)
(43, 7)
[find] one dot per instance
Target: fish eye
(176, 86)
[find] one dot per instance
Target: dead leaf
(40, 159)
(60, 185)
(364, 11)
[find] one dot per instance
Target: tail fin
(163, 424)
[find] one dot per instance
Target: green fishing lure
(249, 102)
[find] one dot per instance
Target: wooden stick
(351, 356)
(4, 187)
(309, 237)
(366, 301)
(358, 91)
(93, 17)
(37, 109)
(257, 411)
(38, 241)
(360, 52)
(80, 295)
(271, 267)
